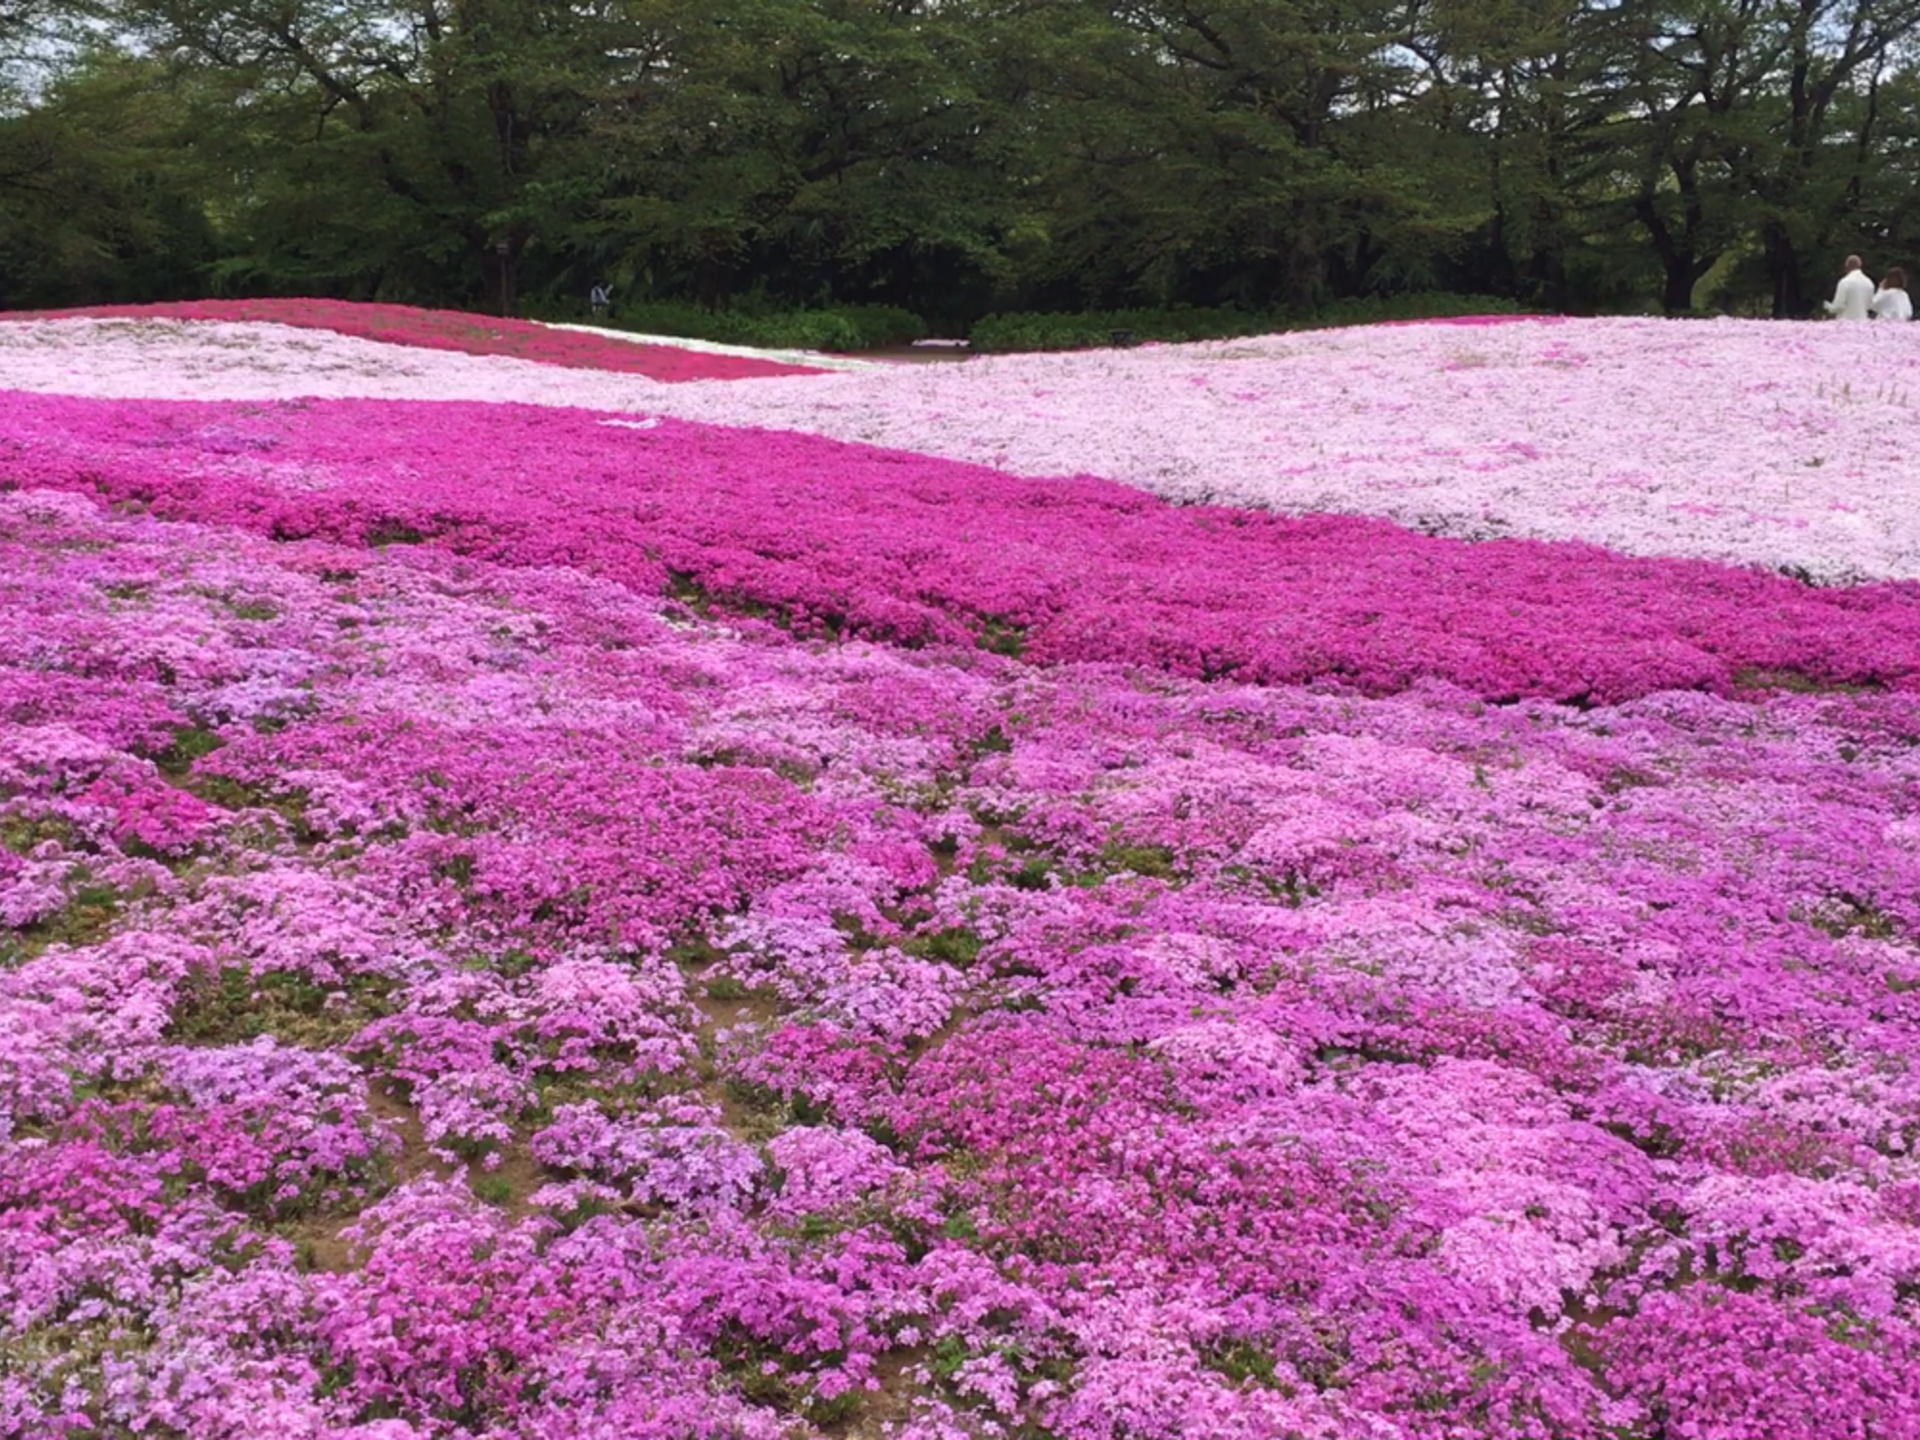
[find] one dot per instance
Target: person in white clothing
(1853, 296)
(1891, 301)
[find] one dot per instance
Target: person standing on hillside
(1891, 301)
(1853, 296)
(597, 299)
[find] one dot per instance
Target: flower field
(573, 347)
(1785, 448)
(532, 909)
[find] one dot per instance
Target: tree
(93, 204)
(1810, 160)
(951, 155)
(1243, 149)
(442, 136)
(820, 145)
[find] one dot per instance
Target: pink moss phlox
(446, 330)
(555, 1011)
(834, 537)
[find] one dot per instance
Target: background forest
(958, 157)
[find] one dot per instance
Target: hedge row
(1034, 331)
(844, 327)
(866, 327)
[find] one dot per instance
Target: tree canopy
(956, 156)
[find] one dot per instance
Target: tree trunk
(1305, 266)
(1502, 270)
(1550, 278)
(1785, 272)
(1677, 294)
(500, 275)
(1680, 260)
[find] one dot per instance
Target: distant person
(1891, 301)
(598, 299)
(1853, 296)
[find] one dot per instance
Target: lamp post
(504, 249)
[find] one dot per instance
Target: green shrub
(1041, 331)
(1172, 324)
(1420, 305)
(883, 324)
(865, 327)
(840, 327)
(671, 317)
(803, 330)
